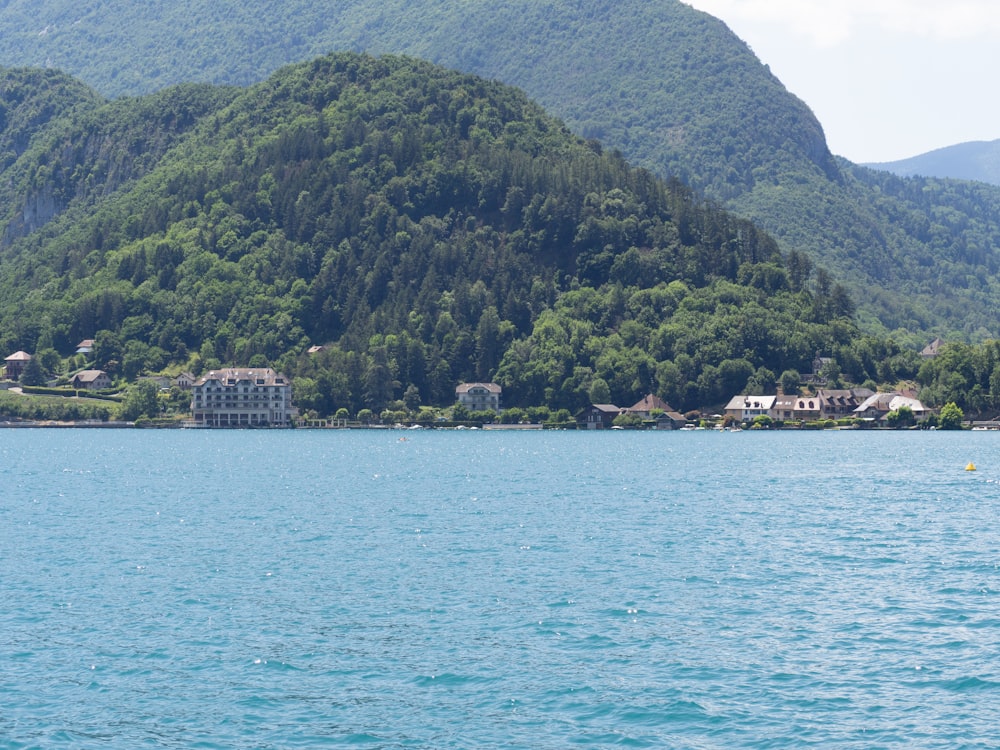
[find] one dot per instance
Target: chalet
(877, 406)
(816, 376)
(85, 347)
(745, 408)
(653, 407)
(160, 381)
(806, 408)
(598, 416)
(670, 420)
(784, 407)
(837, 404)
(646, 407)
(479, 396)
(91, 380)
(315, 349)
(15, 364)
(932, 349)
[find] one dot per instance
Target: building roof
(750, 402)
(886, 402)
(466, 387)
(89, 376)
(649, 403)
(18, 356)
(932, 349)
(234, 375)
(842, 397)
(603, 408)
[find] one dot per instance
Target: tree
(33, 373)
(789, 381)
(628, 420)
(600, 392)
(411, 397)
(951, 417)
(901, 418)
(49, 359)
(140, 401)
(514, 415)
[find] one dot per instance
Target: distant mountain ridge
(973, 160)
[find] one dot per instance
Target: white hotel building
(242, 397)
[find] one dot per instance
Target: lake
(445, 589)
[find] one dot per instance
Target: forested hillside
(426, 226)
(668, 86)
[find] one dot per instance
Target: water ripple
(327, 589)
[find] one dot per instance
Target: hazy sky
(887, 79)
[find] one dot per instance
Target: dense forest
(671, 88)
(426, 226)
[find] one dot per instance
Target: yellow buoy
(970, 467)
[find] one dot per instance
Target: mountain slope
(672, 88)
(975, 160)
(668, 85)
(426, 226)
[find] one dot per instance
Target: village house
(647, 406)
(91, 380)
(816, 376)
(932, 349)
(877, 406)
(783, 409)
(598, 416)
(806, 409)
(479, 396)
(837, 404)
(745, 408)
(85, 347)
(242, 397)
(184, 381)
(15, 364)
(654, 407)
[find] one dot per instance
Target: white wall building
(242, 397)
(479, 396)
(745, 408)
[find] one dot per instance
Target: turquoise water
(209, 589)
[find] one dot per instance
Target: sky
(887, 79)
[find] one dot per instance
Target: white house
(479, 396)
(745, 408)
(878, 405)
(91, 380)
(242, 397)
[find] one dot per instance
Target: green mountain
(425, 226)
(975, 160)
(671, 88)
